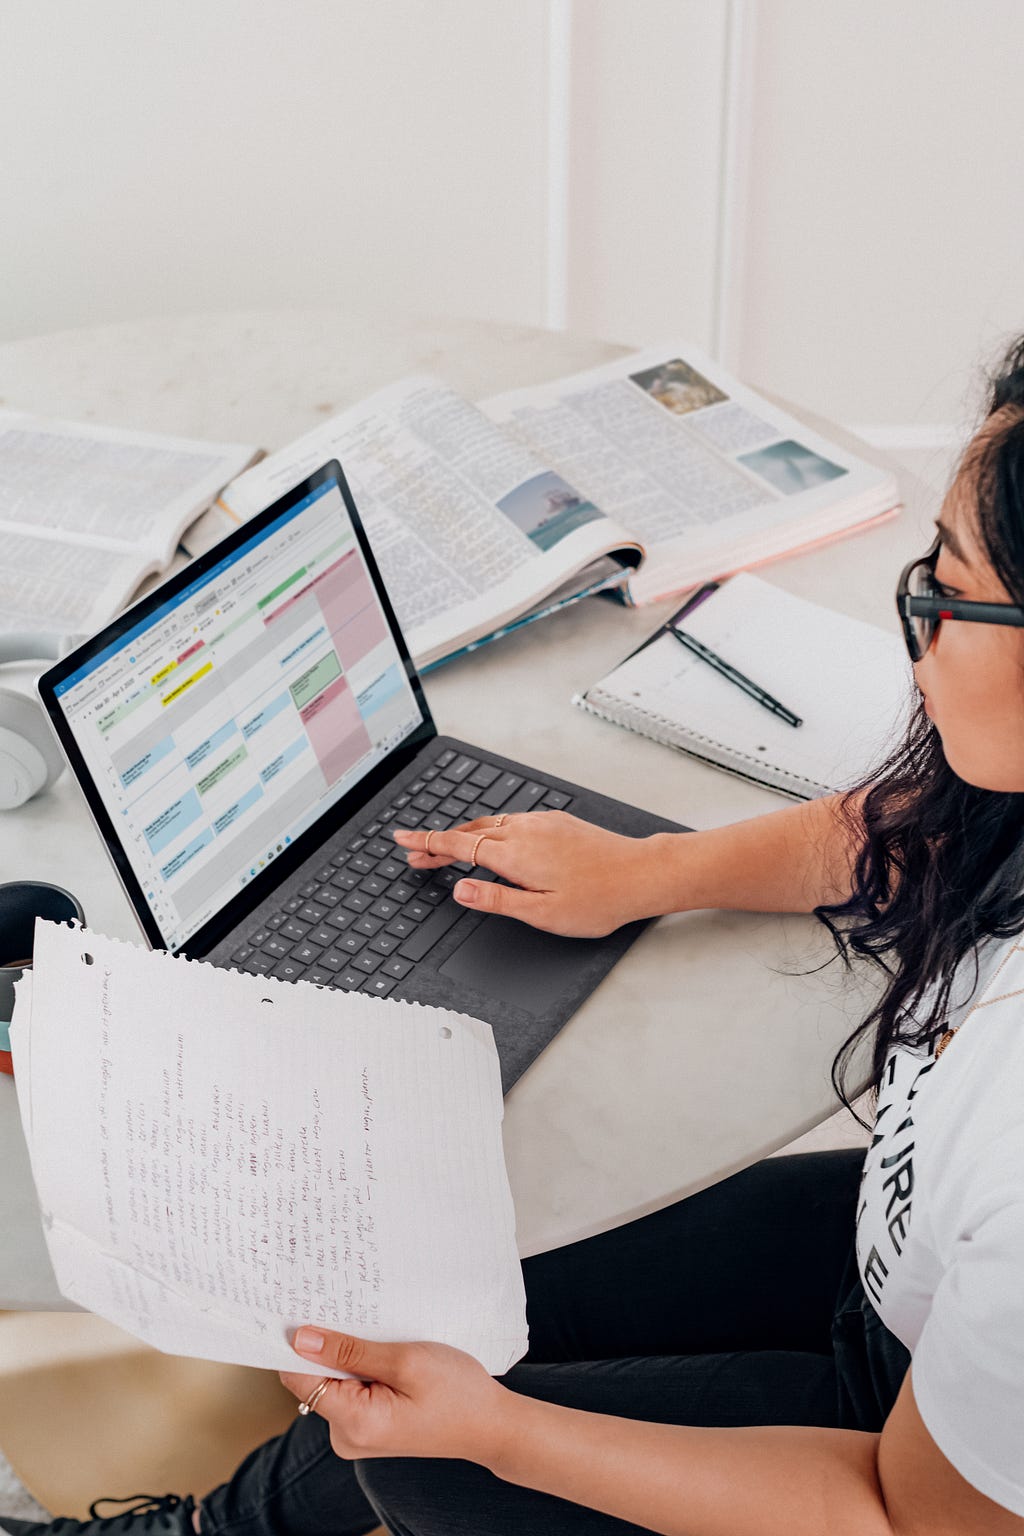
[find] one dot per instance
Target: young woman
(823, 1343)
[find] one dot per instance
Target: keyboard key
(375, 885)
(288, 970)
(351, 943)
(362, 864)
(385, 817)
(556, 800)
(409, 818)
(446, 877)
(427, 934)
(346, 879)
(311, 913)
(306, 953)
(277, 946)
(309, 889)
(294, 930)
(396, 967)
(292, 904)
(356, 901)
(356, 843)
(349, 980)
(461, 769)
(324, 874)
(275, 922)
(445, 758)
(340, 919)
(484, 775)
(466, 793)
(525, 798)
(319, 978)
(417, 786)
(430, 773)
(322, 937)
(370, 830)
(367, 962)
(380, 986)
(385, 908)
(333, 960)
(444, 787)
(384, 944)
(436, 821)
(259, 938)
(416, 910)
(402, 890)
(241, 955)
(496, 794)
(401, 801)
(391, 869)
(341, 859)
(327, 896)
(259, 965)
(432, 894)
(425, 802)
(454, 809)
(368, 925)
(378, 848)
(401, 927)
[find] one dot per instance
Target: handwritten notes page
(221, 1157)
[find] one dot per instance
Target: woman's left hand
(414, 1400)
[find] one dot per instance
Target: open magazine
(88, 512)
(644, 476)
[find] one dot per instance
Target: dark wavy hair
(935, 872)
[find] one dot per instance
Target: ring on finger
(476, 845)
(499, 821)
(309, 1404)
(426, 845)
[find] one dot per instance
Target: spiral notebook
(849, 681)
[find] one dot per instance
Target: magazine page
(468, 526)
(50, 587)
(108, 488)
(706, 473)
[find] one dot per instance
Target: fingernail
(308, 1342)
(465, 890)
(401, 837)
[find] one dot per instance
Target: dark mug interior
(21, 902)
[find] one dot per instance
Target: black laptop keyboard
(365, 920)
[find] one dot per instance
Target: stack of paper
(221, 1157)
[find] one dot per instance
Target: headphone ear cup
(30, 759)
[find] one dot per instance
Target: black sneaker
(142, 1512)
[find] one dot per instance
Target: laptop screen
(232, 715)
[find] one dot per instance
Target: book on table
(640, 478)
(849, 682)
(88, 512)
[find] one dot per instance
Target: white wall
(532, 161)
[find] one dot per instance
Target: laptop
(248, 734)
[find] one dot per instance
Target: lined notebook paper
(221, 1157)
(850, 682)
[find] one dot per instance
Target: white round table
(698, 1054)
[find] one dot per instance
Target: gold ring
(309, 1403)
(476, 845)
(426, 845)
(501, 820)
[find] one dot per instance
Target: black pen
(731, 673)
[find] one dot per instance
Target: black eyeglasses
(922, 604)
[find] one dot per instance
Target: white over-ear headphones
(30, 759)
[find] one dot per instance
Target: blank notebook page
(849, 681)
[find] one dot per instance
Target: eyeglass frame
(939, 608)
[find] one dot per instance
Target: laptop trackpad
(508, 960)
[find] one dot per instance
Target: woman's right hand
(567, 876)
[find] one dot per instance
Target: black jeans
(739, 1305)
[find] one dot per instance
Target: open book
(220, 1157)
(644, 476)
(88, 512)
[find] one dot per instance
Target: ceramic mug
(21, 902)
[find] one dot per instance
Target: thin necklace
(944, 1041)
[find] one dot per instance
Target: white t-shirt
(940, 1223)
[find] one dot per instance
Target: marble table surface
(704, 1049)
